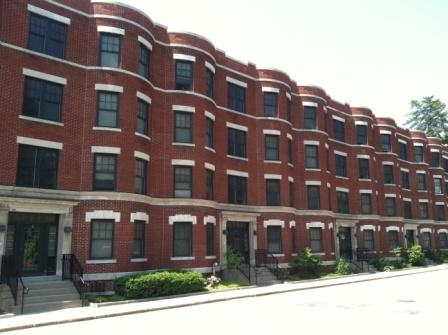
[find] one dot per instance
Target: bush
(306, 261)
(159, 284)
(414, 255)
(343, 267)
(233, 259)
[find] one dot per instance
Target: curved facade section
(136, 149)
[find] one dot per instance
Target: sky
(379, 54)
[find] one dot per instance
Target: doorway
(32, 241)
(238, 238)
(345, 242)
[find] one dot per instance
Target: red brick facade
(74, 197)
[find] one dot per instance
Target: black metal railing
(11, 277)
(246, 270)
(72, 270)
(264, 258)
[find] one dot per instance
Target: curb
(231, 294)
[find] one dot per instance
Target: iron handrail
(248, 275)
(12, 278)
(263, 258)
(72, 270)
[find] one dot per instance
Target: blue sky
(379, 54)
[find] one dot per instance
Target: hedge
(159, 284)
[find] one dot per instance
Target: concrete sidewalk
(105, 310)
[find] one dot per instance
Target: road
(401, 305)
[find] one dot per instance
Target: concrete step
(30, 299)
(47, 306)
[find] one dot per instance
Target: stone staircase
(48, 293)
(263, 275)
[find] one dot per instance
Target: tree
(429, 115)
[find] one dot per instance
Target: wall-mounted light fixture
(2, 228)
(67, 229)
(224, 232)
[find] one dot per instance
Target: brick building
(137, 149)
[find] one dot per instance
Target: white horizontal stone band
(39, 143)
(44, 76)
(48, 14)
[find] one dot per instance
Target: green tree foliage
(429, 115)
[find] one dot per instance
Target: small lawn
(228, 284)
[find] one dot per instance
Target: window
(423, 210)
(293, 240)
(42, 99)
(210, 78)
(289, 151)
(361, 134)
(316, 239)
(102, 239)
(402, 151)
(108, 104)
(405, 180)
(274, 239)
(418, 152)
(407, 209)
(182, 239)
(426, 241)
(368, 239)
(209, 133)
(311, 157)
(341, 165)
(435, 159)
(272, 192)
(342, 198)
(237, 190)
(366, 203)
(388, 174)
(292, 201)
(288, 109)
(183, 181)
(210, 238)
(209, 184)
(236, 97)
(270, 104)
(139, 239)
(105, 172)
(183, 127)
(141, 167)
(143, 61)
(37, 167)
(391, 208)
(339, 130)
(440, 211)
(142, 117)
(363, 165)
(184, 75)
(110, 46)
(443, 240)
(313, 192)
(47, 36)
(271, 143)
(445, 164)
(438, 186)
(421, 181)
(385, 143)
(309, 116)
(393, 239)
(236, 142)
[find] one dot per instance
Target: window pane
(311, 157)
(143, 61)
(105, 167)
(236, 97)
(142, 117)
(236, 142)
(110, 45)
(184, 75)
(210, 238)
(316, 239)
(271, 148)
(139, 239)
(42, 99)
(37, 167)
(270, 104)
(102, 239)
(47, 36)
(182, 182)
(272, 192)
(274, 239)
(309, 113)
(237, 190)
(107, 110)
(183, 131)
(182, 239)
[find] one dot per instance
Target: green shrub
(159, 284)
(414, 255)
(306, 261)
(342, 267)
(444, 256)
(233, 259)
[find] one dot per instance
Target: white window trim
(437, 176)
(39, 143)
(209, 219)
(106, 150)
(388, 163)
(392, 228)
(141, 155)
(271, 132)
(368, 227)
(182, 108)
(145, 42)
(361, 123)
(111, 30)
(103, 215)
(440, 203)
(342, 189)
(419, 144)
(273, 222)
(143, 97)
(237, 173)
(48, 14)
(186, 162)
(435, 150)
(365, 191)
(407, 199)
(272, 176)
(209, 115)
(182, 218)
(44, 76)
(292, 223)
(308, 142)
(140, 216)
(390, 195)
(209, 66)
(423, 201)
(309, 104)
(313, 183)
(290, 179)
(236, 126)
(289, 136)
(363, 156)
(269, 89)
(209, 166)
(188, 58)
(340, 153)
(108, 87)
(338, 118)
(420, 171)
(236, 82)
(425, 230)
(404, 170)
(442, 230)
(315, 225)
(288, 95)
(385, 132)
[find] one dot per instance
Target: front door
(238, 238)
(32, 241)
(345, 242)
(410, 237)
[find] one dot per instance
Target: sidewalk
(105, 310)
